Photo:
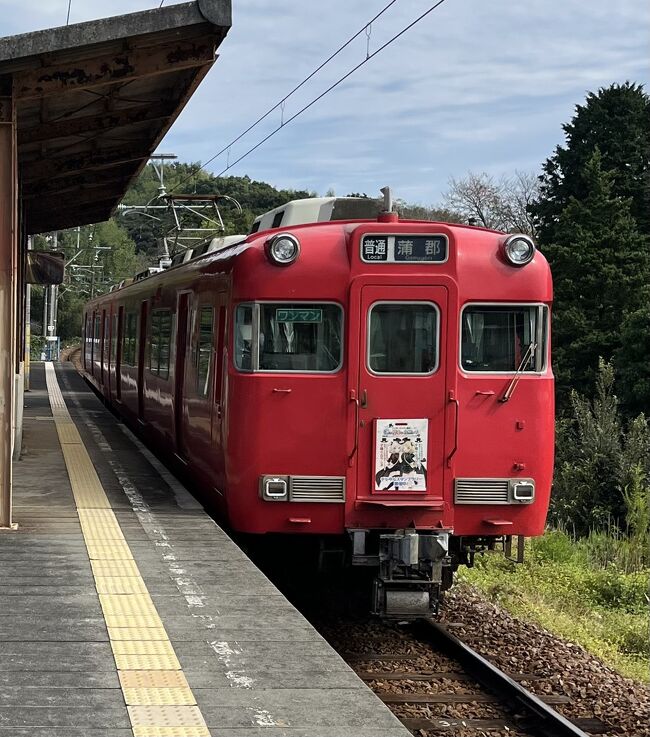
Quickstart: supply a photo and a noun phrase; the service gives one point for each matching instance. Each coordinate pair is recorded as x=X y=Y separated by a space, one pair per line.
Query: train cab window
x=403 y=338
x=284 y=336
x=204 y=350
x=129 y=345
x=244 y=337
x=160 y=342
x=503 y=338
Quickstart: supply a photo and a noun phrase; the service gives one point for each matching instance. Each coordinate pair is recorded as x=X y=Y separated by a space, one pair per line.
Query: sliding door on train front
x=402 y=396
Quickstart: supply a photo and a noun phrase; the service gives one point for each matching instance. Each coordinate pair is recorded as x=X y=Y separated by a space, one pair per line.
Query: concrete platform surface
x=83 y=656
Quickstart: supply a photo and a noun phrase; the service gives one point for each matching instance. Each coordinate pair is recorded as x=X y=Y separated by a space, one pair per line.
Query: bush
x=602 y=468
x=36 y=345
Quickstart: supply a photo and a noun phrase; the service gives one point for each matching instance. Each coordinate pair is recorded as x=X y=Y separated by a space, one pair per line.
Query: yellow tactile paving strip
x=158 y=698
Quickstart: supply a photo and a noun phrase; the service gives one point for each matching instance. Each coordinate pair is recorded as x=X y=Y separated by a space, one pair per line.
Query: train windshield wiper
x=510 y=389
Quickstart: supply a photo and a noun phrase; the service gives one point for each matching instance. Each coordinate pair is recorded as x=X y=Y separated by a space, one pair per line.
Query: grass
x=565 y=587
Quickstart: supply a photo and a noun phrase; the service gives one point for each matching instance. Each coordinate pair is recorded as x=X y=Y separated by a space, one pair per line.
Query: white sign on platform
x=400 y=455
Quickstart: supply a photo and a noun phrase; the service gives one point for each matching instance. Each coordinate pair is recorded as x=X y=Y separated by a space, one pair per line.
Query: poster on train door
x=400 y=455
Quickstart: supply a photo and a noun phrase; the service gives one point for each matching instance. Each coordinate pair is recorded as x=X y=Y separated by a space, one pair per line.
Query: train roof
x=317 y=210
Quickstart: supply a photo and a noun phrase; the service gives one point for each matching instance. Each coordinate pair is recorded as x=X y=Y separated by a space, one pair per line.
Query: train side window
x=204 y=350
x=503 y=338
x=160 y=342
x=403 y=338
x=129 y=341
x=88 y=346
x=96 y=337
x=113 y=357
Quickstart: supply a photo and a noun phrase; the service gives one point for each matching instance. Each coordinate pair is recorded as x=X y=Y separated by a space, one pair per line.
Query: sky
x=476 y=86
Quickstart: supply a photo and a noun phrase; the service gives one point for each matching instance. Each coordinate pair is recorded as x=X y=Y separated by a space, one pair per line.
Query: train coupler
x=410 y=577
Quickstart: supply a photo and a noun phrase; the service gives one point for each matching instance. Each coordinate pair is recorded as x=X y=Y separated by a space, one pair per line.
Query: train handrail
x=452 y=398
x=355 y=399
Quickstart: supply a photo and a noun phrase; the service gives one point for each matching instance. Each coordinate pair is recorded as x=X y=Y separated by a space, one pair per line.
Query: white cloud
x=475 y=86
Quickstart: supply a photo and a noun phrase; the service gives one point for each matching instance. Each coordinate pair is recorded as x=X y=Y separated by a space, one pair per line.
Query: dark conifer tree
x=617 y=121
x=601 y=264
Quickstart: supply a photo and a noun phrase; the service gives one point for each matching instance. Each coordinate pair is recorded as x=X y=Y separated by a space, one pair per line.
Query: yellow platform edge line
x=159 y=700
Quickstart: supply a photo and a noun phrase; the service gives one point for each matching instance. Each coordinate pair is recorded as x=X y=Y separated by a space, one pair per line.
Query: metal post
x=46 y=291
x=8 y=246
x=28 y=321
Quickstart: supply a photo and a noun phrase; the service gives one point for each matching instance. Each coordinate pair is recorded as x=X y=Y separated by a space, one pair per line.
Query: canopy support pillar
x=8 y=275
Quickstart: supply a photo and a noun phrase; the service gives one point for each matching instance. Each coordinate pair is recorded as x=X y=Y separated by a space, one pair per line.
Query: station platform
x=125 y=611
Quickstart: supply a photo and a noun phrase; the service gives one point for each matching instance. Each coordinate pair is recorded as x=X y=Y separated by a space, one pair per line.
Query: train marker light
x=519 y=249
x=274 y=488
x=522 y=491
x=282 y=249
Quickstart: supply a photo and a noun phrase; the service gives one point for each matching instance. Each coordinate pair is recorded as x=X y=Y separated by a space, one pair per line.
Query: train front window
x=289 y=336
x=403 y=338
x=503 y=338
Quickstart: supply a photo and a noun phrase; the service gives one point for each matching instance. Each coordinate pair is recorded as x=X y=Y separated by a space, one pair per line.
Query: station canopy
x=93 y=101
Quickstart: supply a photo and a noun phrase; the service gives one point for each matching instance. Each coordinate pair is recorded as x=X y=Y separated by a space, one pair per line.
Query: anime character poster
x=400 y=455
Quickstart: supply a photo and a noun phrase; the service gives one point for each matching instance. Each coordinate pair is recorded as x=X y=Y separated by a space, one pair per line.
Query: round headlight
x=282 y=249
x=519 y=249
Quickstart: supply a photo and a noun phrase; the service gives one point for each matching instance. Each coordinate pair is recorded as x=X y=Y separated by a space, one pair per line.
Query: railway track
x=465 y=693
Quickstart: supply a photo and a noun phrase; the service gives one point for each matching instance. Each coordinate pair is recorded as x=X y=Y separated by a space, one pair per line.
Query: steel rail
x=544 y=720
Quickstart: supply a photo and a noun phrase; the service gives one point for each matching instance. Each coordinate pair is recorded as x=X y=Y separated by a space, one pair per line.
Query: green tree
x=120 y=261
x=602 y=466
x=600 y=263
x=615 y=120
x=633 y=357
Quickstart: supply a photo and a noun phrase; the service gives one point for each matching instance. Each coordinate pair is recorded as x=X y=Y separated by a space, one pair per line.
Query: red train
x=385 y=381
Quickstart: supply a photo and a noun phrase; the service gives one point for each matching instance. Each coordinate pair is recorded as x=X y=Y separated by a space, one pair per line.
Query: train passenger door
x=219 y=371
x=118 y=353
x=183 y=333
x=142 y=354
x=105 y=350
x=198 y=407
x=402 y=395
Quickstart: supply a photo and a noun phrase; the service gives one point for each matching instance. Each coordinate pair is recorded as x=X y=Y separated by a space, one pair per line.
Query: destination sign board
x=404 y=248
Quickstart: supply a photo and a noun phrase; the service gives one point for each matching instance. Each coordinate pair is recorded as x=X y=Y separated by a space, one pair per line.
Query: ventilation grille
x=317 y=489
x=481 y=491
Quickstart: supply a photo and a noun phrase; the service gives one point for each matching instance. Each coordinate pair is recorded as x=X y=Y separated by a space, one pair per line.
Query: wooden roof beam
x=105 y=159
x=105 y=121
x=77 y=182
x=62 y=218
x=117 y=67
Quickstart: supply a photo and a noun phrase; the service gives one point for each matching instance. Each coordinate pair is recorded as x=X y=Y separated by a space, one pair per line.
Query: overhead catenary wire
x=281 y=102
x=329 y=89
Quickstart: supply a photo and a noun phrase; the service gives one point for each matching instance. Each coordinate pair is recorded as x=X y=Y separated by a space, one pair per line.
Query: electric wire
x=281 y=102
x=329 y=89
x=67 y=20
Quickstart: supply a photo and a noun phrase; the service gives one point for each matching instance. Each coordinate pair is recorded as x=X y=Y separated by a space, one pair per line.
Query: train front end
x=391 y=383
